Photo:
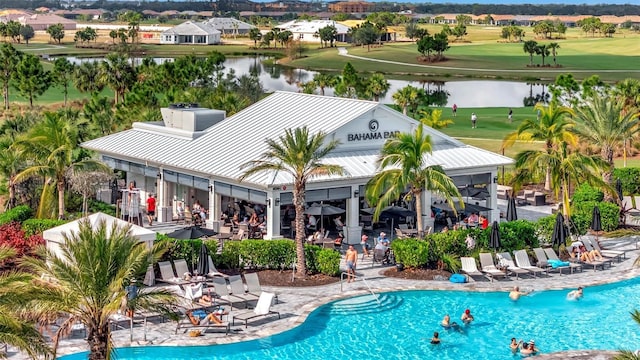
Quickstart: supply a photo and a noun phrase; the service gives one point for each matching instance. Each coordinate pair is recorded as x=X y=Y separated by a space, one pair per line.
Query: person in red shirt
x=151 y=208
x=483 y=221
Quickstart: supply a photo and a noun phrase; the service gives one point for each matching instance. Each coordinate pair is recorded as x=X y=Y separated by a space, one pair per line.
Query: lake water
x=466 y=94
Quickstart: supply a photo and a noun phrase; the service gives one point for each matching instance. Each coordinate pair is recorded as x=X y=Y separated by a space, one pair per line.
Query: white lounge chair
x=522 y=260
x=263 y=308
x=469 y=267
x=551 y=255
x=505 y=259
x=489 y=268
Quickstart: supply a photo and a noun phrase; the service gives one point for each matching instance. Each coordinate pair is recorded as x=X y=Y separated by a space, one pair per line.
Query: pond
x=465 y=94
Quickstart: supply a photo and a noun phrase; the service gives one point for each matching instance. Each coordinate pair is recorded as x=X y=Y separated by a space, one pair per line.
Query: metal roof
x=220 y=23
x=240 y=138
x=192 y=28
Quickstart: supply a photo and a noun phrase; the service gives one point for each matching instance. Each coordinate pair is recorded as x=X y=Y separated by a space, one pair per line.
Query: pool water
x=401 y=327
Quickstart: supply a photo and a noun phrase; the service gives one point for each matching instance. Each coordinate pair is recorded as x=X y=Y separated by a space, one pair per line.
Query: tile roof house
x=193 y=33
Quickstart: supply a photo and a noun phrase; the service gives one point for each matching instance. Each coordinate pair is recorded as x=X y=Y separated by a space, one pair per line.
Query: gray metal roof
x=191 y=28
x=225 y=146
x=220 y=23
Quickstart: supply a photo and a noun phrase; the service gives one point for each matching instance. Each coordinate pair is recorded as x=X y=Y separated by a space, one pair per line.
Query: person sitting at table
x=198 y=209
x=253 y=220
x=483 y=222
x=180 y=211
x=235 y=221
x=339 y=223
x=472 y=220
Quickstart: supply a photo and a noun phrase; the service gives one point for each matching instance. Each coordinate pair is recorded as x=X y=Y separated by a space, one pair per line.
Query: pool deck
x=294 y=304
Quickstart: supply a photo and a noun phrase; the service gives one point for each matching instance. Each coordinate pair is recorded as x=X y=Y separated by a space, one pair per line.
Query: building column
x=427 y=220
x=273 y=215
x=492 y=200
x=353 y=230
x=161 y=206
x=213 y=217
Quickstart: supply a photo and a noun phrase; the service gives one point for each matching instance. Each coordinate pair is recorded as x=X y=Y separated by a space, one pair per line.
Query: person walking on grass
x=454 y=108
x=510 y=115
x=474 y=119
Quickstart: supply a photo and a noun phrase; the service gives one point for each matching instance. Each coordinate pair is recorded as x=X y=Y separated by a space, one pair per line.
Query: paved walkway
x=295 y=304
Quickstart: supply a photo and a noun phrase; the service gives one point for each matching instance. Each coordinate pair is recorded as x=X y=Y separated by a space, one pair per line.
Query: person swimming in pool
x=515 y=294
x=436 y=338
x=466 y=317
x=575 y=294
x=446 y=322
x=515 y=345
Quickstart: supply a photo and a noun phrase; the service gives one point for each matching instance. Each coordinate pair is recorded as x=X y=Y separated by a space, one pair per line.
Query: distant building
x=350 y=7
x=307 y=30
x=230 y=26
x=39 y=21
x=193 y=33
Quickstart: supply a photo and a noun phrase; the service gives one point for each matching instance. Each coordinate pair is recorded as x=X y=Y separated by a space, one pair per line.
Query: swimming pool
x=357 y=328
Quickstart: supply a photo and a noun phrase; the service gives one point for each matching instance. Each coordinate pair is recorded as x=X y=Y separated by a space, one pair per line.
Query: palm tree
x=323 y=81
x=554 y=127
x=627 y=354
x=15 y=292
x=86 y=78
x=406 y=97
x=554 y=51
x=9 y=59
x=118 y=74
x=51 y=146
x=88 y=277
x=604 y=123
x=433 y=118
x=298 y=154
x=564 y=166
x=530 y=47
x=377 y=86
x=402 y=164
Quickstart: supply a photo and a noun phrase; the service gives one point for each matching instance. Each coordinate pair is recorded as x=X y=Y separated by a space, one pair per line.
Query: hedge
x=37 y=226
x=17 y=214
x=583 y=214
x=255 y=254
x=630 y=179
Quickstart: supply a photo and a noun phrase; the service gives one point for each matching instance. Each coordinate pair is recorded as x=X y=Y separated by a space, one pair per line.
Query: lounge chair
x=222 y=292
x=469 y=267
x=181 y=267
x=253 y=284
x=605 y=260
x=522 y=260
x=168 y=275
x=190 y=321
x=505 y=259
x=614 y=254
x=237 y=289
x=489 y=268
x=545 y=263
x=213 y=272
x=551 y=255
x=263 y=308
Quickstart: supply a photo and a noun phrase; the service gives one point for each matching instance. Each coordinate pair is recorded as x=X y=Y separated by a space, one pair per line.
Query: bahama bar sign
x=374 y=134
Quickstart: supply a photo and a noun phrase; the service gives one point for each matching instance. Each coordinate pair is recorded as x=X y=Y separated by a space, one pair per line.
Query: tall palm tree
x=51 y=146
x=118 y=74
x=554 y=46
x=403 y=165
x=88 y=277
x=86 y=78
x=604 y=123
x=530 y=47
x=564 y=166
x=9 y=60
x=377 y=86
x=15 y=292
x=406 y=97
x=299 y=154
x=554 y=127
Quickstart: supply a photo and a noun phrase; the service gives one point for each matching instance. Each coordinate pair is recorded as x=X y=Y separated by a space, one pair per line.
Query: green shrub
x=99 y=206
x=516 y=235
x=328 y=261
x=260 y=254
x=17 y=214
x=450 y=242
x=630 y=179
x=586 y=192
x=37 y=226
x=583 y=213
x=411 y=252
x=544 y=228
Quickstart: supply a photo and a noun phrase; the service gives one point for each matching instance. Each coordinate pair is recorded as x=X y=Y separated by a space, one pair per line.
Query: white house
x=194 y=33
x=196 y=154
x=307 y=30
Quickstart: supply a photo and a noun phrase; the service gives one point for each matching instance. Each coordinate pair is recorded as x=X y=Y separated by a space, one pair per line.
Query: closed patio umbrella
x=512 y=213
x=494 y=239
x=560 y=231
x=596 y=221
x=619 y=188
x=203 y=260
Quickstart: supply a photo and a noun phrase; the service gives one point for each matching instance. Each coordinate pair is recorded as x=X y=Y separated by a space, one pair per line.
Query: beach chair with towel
x=263 y=308
x=552 y=256
x=549 y=264
x=505 y=260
